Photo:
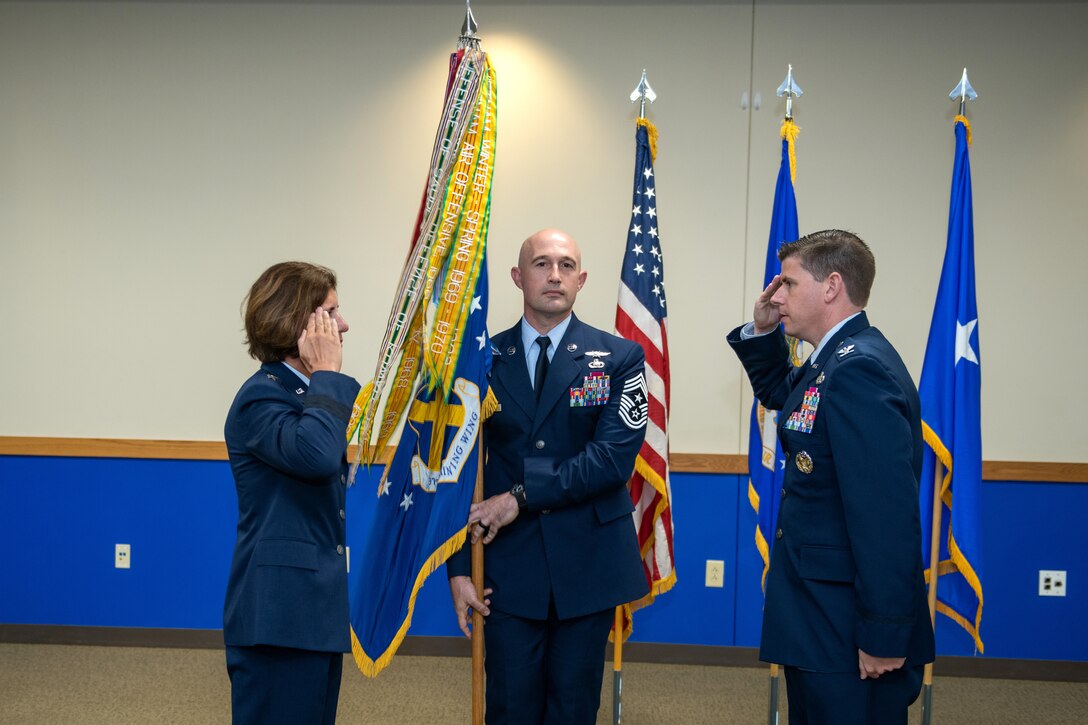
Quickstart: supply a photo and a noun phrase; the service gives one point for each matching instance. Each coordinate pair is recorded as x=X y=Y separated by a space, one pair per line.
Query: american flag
x=641 y=317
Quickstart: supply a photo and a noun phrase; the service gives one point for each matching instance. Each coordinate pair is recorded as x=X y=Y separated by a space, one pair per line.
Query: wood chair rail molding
x=728 y=463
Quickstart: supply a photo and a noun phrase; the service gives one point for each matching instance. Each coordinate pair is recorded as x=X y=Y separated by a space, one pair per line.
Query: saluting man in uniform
x=560 y=546
x=846 y=610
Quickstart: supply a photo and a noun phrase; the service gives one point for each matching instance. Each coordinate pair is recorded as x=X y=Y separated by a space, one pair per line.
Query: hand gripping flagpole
x=642 y=93
x=790 y=90
x=963 y=92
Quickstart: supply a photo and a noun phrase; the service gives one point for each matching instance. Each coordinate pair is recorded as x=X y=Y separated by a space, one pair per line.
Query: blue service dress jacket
x=287 y=445
x=846 y=564
x=575 y=544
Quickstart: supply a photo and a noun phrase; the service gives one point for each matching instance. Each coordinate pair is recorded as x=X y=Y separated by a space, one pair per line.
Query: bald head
x=549 y=275
x=546 y=237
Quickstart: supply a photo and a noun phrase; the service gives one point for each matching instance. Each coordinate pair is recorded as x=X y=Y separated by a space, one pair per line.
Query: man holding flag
x=560 y=547
x=846 y=609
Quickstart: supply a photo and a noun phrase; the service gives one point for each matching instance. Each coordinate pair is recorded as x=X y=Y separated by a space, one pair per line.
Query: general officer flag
x=766 y=463
x=950 y=390
x=642 y=317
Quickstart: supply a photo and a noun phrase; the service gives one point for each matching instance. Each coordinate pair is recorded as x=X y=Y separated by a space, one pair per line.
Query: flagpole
x=934 y=561
x=963 y=92
x=470 y=40
x=478 y=583
x=617 y=667
x=642 y=93
x=790 y=90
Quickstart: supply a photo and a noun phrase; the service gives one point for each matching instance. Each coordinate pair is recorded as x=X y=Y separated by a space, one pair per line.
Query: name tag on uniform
x=594 y=391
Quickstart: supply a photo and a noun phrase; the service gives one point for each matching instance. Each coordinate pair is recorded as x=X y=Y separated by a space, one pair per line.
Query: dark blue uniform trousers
x=544 y=672
x=272 y=685
x=843 y=698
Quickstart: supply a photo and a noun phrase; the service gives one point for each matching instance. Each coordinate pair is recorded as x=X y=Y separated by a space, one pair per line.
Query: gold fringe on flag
x=956 y=561
x=966 y=126
x=789 y=131
x=651 y=136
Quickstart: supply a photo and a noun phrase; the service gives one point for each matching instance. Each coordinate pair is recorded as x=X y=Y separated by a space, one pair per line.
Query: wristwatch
x=518 y=492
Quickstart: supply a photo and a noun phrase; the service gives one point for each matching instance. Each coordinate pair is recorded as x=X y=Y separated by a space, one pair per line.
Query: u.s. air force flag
x=423 y=499
x=950 y=391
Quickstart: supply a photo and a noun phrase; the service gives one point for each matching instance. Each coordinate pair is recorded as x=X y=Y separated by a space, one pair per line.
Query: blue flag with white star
x=766 y=464
x=423 y=500
x=950 y=390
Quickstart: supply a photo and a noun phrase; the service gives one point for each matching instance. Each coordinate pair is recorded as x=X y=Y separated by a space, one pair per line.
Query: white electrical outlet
x=715 y=573
x=1051 y=583
x=122 y=556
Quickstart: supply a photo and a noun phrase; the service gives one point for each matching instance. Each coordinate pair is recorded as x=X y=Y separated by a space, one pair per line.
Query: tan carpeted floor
x=77 y=685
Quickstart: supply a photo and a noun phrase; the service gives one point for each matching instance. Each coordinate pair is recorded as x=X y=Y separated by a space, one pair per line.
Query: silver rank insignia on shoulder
x=820 y=378
x=571 y=347
x=844 y=351
x=804 y=462
x=597 y=363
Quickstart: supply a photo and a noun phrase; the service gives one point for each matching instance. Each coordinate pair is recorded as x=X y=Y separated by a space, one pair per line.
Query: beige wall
x=155 y=157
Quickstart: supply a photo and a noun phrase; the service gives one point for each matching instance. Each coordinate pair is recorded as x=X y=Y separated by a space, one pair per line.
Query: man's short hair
x=278 y=304
x=834 y=250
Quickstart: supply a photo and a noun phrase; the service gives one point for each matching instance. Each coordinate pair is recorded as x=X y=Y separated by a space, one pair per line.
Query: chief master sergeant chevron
x=846 y=610
x=560 y=547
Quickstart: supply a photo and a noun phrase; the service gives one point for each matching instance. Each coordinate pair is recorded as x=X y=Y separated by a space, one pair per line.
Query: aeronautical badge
x=804 y=462
x=597 y=363
x=634 y=407
x=844 y=350
x=594 y=391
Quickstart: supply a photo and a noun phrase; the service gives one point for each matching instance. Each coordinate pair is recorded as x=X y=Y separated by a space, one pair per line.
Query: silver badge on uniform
x=596 y=363
x=571 y=347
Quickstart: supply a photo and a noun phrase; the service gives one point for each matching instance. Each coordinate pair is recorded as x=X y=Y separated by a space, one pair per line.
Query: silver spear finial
x=468 y=38
x=790 y=90
x=643 y=93
x=963 y=92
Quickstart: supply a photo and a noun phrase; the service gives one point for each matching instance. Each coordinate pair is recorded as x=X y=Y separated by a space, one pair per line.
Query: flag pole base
x=772 y=705
x=927 y=704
